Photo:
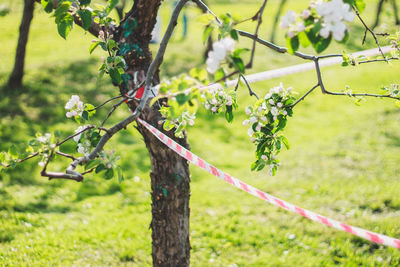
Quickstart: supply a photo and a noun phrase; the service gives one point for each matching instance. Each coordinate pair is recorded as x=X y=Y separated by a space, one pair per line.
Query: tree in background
x=171 y=105
x=15 y=80
x=379 y=12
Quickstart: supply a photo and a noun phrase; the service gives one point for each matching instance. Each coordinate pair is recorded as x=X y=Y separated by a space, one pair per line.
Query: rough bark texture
x=15 y=80
x=170 y=182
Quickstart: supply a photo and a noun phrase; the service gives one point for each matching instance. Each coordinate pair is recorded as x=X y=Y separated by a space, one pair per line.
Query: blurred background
x=344 y=160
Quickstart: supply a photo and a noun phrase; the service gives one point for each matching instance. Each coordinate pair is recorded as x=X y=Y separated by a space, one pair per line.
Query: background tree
x=15 y=80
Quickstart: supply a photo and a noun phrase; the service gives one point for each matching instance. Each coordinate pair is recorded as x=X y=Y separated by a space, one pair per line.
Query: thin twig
x=253 y=49
x=368 y=29
x=72 y=136
x=251 y=92
x=65 y=155
x=304 y=96
x=111 y=99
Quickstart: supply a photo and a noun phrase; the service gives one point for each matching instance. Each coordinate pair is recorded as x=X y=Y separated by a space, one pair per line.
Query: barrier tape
x=196 y=160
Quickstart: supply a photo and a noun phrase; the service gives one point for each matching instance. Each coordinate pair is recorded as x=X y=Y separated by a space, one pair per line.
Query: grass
x=343 y=163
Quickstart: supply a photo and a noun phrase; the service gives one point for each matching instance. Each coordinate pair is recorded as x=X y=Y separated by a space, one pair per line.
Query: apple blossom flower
x=246 y=122
x=219 y=52
x=333 y=14
x=280 y=105
x=288 y=19
x=263 y=157
x=305 y=14
x=75 y=106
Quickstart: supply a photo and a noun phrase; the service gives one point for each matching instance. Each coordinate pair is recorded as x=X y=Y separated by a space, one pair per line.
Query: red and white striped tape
x=183 y=152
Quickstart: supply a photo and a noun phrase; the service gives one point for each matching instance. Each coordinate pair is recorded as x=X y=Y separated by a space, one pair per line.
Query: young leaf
x=65 y=25
x=207 y=32
x=100 y=168
x=93 y=46
x=292 y=44
x=120 y=175
x=86 y=17
x=109 y=174
x=47 y=5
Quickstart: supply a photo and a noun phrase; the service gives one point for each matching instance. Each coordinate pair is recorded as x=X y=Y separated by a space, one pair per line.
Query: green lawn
x=343 y=163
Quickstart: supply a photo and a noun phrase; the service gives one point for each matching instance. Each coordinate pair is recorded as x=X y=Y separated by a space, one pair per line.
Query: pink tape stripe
x=371 y=236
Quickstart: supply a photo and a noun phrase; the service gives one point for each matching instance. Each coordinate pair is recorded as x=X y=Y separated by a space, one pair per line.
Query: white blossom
x=246 y=122
x=219 y=52
x=271 y=102
x=305 y=14
x=247 y=110
x=288 y=19
x=214 y=109
x=80 y=128
x=253 y=119
x=263 y=157
x=250 y=131
x=280 y=105
x=44 y=138
x=84 y=148
x=333 y=14
x=75 y=106
x=284 y=112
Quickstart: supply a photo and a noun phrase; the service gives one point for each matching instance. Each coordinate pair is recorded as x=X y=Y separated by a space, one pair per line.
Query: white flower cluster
x=80 y=128
x=75 y=107
x=219 y=52
x=219 y=98
x=334 y=13
x=109 y=158
x=44 y=139
x=289 y=22
x=269 y=105
x=84 y=148
x=187 y=118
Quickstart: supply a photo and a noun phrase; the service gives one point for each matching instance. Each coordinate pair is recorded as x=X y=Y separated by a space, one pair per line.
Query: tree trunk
x=170 y=184
x=15 y=80
x=170 y=180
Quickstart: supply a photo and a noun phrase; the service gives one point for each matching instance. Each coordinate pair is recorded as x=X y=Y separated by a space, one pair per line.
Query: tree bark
x=170 y=179
x=170 y=184
x=15 y=80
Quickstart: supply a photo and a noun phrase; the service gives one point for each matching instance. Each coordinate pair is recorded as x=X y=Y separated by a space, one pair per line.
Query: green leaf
x=219 y=74
x=205 y=19
x=93 y=46
x=206 y=34
x=322 y=44
x=360 y=4
x=84 y=2
x=91 y=164
x=239 y=64
x=111 y=5
x=86 y=17
x=234 y=34
x=285 y=142
x=13 y=151
x=229 y=114
x=292 y=44
x=47 y=5
x=62 y=9
x=100 y=168
x=120 y=175
x=109 y=174
x=65 y=25
x=85 y=115
x=115 y=76
x=303 y=38
x=182 y=99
